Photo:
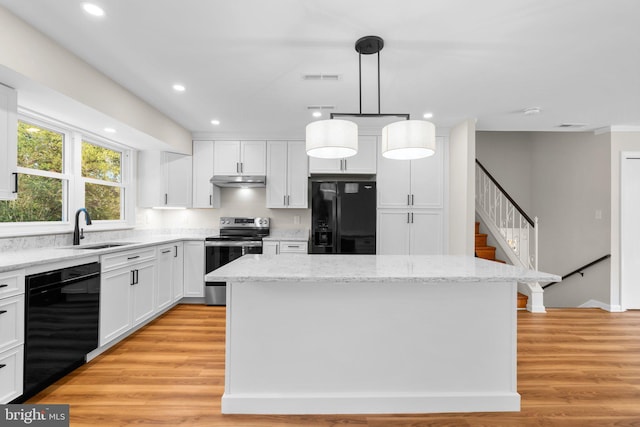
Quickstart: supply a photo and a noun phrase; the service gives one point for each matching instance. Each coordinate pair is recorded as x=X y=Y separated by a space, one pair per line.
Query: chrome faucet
x=77 y=232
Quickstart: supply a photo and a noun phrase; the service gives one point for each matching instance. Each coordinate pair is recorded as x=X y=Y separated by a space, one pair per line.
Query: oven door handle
x=233 y=244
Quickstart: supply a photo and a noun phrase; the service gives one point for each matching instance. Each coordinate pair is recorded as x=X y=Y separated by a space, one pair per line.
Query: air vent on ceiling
x=320 y=107
x=572 y=125
x=321 y=77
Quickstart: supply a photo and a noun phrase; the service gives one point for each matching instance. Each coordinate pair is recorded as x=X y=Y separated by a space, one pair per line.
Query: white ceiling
x=242 y=61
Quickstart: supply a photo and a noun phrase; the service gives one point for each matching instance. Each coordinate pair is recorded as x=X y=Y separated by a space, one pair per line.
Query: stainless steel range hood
x=246 y=181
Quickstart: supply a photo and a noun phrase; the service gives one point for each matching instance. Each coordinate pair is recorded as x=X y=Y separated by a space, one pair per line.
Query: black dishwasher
x=61 y=323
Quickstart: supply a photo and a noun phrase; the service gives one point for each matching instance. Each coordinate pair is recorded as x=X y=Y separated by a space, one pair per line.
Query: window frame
x=73 y=192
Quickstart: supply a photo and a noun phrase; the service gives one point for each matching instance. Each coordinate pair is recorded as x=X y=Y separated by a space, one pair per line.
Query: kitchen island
x=311 y=334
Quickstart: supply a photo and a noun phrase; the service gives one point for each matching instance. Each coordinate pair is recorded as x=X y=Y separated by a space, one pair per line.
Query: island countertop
x=372 y=268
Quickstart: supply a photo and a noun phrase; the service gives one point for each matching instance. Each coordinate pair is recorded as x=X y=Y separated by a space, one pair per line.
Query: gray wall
x=563 y=178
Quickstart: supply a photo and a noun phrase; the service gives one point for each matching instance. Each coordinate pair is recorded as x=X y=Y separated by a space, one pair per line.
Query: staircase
x=487 y=252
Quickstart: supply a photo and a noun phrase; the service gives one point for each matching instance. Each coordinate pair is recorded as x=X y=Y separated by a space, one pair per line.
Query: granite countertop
x=372 y=268
x=301 y=235
x=19 y=259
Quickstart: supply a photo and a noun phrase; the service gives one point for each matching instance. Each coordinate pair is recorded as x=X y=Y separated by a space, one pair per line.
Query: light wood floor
x=578 y=367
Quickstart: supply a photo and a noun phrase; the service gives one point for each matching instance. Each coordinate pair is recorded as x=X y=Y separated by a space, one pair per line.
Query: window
x=41 y=182
x=61 y=169
x=102 y=176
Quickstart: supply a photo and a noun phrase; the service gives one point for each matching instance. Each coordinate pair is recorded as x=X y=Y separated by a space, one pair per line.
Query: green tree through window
x=102 y=170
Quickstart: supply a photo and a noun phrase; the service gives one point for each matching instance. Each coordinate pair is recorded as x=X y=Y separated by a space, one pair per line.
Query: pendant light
x=405 y=139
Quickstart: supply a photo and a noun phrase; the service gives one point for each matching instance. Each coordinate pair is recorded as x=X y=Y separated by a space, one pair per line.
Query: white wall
x=462 y=153
x=507 y=157
x=31 y=54
x=235 y=202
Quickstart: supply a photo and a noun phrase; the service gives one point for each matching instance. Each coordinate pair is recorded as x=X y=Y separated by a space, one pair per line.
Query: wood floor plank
x=576 y=367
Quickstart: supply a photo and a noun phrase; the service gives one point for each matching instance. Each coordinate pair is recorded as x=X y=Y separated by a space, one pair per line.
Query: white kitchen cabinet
x=177 y=283
x=239 y=158
x=12 y=300
x=205 y=194
x=127 y=291
x=410 y=232
x=194 y=269
x=412 y=183
x=164 y=179
x=287 y=172
x=11 y=373
x=364 y=162
x=165 y=276
x=8 y=143
x=276 y=247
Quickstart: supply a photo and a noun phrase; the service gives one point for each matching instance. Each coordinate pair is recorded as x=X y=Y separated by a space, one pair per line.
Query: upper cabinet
x=8 y=143
x=364 y=162
x=240 y=158
x=412 y=183
x=205 y=194
x=164 y=179
x=287 y=175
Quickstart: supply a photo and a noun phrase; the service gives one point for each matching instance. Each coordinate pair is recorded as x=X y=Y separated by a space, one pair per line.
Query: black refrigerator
x=343 y=217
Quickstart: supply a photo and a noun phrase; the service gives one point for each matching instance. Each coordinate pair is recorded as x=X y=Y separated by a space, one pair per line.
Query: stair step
x=486 y=252
x=481 y=239
x=522 y=300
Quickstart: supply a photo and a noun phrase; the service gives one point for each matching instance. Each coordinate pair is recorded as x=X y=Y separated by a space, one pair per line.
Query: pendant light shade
x=408 y=139
x=332 y=139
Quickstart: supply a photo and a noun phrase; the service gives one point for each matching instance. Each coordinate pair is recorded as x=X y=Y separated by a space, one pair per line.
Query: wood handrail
x=579 y=270
x=513 y=202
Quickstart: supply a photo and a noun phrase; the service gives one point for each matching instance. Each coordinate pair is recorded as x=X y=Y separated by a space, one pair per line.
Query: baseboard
x=592 y=303
x=369 y=403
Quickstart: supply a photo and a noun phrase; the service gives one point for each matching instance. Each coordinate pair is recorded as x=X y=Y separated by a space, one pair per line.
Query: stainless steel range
x=238 y=236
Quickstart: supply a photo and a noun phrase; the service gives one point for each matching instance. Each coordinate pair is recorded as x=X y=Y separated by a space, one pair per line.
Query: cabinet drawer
x=11 y=322
x=11 y=366
x=123 y=259
x=11 y=283
x=293 y=247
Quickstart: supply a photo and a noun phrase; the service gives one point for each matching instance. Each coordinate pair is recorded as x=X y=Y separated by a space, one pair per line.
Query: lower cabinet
x=12 y=302
x=285 y=246
x=410 y=232
x=170 y=274
x=194 y=269
x=177 y=262
x=127 y=294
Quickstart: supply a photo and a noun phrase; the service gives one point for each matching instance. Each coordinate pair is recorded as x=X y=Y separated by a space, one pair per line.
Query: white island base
x=332 y=345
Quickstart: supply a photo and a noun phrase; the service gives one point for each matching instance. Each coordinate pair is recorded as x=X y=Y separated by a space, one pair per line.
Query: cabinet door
x=365 y=160
x=317 y=165
x=115 y=303
x=194 y=269
x=270 y=248
x=164 y=292
x=297 y=179
x=393 y=232
x=205 y=194
x=178 y=271
x=143 y=298
x=393 y=183
x=427 y=179
x=426 y=233
x=276 y=191
x=178 y=180
x=8 y=143
x=11 y=322
x=151 y=179
x=226 y=158
x=11 y=375
x=253 y=158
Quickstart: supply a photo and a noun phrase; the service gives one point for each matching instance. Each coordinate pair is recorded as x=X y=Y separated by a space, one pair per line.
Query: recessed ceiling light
x=531 y=111
x=427 y=115
x=179 y=88
x=316 y=114
x=93 y=9
x=110 y=130
x=215 y=122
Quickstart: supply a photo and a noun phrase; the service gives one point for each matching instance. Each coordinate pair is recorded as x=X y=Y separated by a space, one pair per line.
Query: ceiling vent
x=572 y=125
x=320 y=107
x=321 y=77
